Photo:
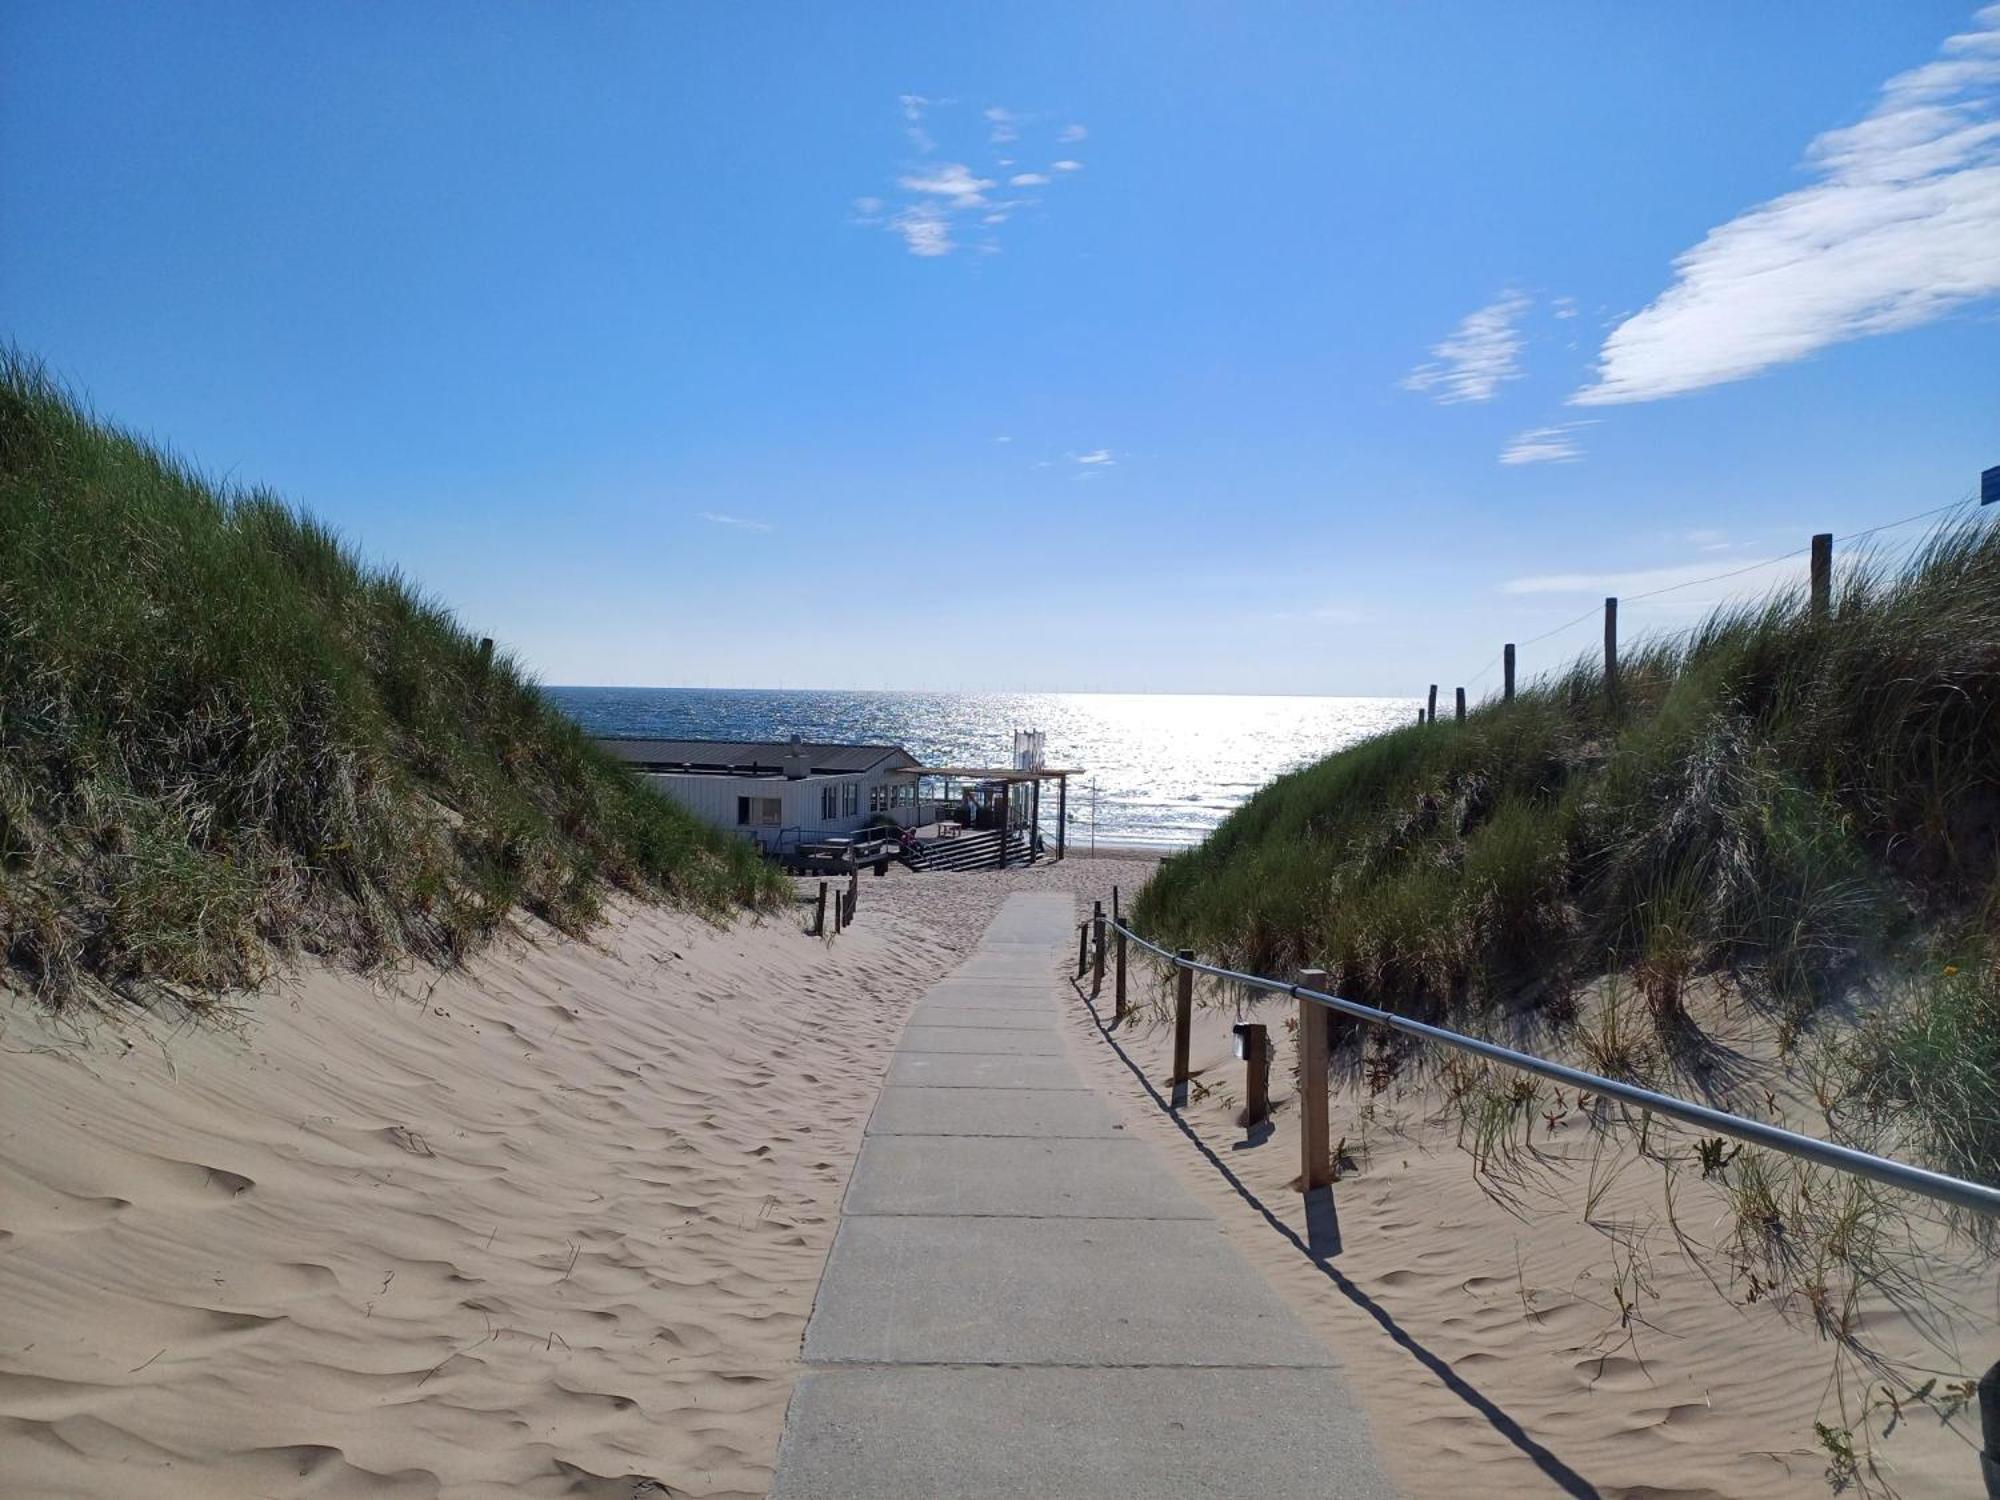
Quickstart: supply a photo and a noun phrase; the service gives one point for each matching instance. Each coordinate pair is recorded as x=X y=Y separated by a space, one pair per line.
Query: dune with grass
x=1764 y=874
x=224 y=740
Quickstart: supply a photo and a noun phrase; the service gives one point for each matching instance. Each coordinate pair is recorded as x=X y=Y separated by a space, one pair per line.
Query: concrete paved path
x=1021 y=1301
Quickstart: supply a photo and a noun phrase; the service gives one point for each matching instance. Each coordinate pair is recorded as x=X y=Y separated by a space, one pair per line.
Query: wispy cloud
x=716 y=518
x=1545 y=445
x=1095 y=456
x=941 y=207
x=925 y=229
x=1071 y=133
x=1901 y=227
x=914 y=106
x=1481 y=352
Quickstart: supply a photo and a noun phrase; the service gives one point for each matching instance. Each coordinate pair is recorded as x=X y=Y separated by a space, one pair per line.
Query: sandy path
x=550 y=1226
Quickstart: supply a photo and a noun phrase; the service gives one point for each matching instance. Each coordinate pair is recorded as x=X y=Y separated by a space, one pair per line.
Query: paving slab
x=998 y=1041
x=1033 y=1001
x=976 y=1070
x=1021 y=1300
x=1116 y=1178
x=1008 y=1112
x=909 y=1290
x=984 y=1434
x=1013 y=1018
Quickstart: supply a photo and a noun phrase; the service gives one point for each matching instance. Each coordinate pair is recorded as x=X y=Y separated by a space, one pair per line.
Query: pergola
x=1008 y=778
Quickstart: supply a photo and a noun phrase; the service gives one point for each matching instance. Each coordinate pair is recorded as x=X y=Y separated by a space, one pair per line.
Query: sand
x=548 y=1226
x=1481 y=1316
x=552 y=1226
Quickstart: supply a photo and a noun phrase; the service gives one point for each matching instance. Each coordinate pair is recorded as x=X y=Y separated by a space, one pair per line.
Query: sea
x=1157 y=769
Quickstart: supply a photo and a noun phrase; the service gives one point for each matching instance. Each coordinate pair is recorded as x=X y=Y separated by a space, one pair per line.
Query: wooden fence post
x=1461 y=705
x=1989 y=1423
x=853 y=894
x=1097 y=947
x=1507 y=673
x=1822 y=576
x=1183 y=1026
x=1256 y=1073
x=839 y=903
x=819 y=916
x=1118 y=1012
x=1611 y=650
x=1118 y=938
x=1431 y=713
x=1315 y=1124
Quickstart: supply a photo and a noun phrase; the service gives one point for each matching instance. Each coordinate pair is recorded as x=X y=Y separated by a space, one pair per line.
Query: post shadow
x=1322 y=1225
x=1321 y=1246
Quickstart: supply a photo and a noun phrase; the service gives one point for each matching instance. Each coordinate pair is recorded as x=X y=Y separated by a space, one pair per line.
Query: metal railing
x=1953 y=1190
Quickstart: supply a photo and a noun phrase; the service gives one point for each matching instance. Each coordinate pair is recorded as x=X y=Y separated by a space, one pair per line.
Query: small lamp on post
x=1253 y=1047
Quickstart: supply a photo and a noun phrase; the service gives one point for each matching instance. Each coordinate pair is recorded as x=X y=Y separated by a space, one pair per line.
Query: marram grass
x=223 y=740
x=1808 y=807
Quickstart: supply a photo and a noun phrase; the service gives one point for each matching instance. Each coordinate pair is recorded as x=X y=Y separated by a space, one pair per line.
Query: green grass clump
x=224 y=739
x=1786 y=800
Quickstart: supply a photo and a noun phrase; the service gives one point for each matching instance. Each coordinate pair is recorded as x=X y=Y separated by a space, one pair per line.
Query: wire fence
x=1969 y=498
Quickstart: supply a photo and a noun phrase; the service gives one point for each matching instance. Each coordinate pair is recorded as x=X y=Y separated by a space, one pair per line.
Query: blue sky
x=1207 y=347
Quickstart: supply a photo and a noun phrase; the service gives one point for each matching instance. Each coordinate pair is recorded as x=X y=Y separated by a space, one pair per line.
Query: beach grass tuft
x=224 y=739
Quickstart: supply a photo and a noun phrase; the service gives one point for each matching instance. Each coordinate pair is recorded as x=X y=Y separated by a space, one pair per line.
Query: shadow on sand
x=1321 y=1245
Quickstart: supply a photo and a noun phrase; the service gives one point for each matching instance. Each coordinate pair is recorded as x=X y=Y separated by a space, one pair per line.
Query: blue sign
x=1989 y=486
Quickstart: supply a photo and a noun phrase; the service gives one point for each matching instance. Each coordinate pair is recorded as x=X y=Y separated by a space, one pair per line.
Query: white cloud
x=1071 y=133
x=953 y=180
x=1901 y=227
x=1563 y=307
x=721 y=520
x=1005 y=125
x=1481 y=353
x=1003 y=438
x=1028 y=179
x=1095 y=456
x=1065 y=166
x=1544 y=445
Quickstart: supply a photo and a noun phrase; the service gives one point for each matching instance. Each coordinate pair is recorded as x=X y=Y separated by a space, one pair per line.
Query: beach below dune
x=550 y=1224
x=553 y=1224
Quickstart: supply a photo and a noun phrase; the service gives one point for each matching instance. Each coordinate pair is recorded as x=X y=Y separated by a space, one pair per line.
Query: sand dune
x=549 y=1226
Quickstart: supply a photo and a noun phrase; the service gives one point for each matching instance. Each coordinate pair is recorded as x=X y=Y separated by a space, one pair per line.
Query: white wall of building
x=802 y=802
